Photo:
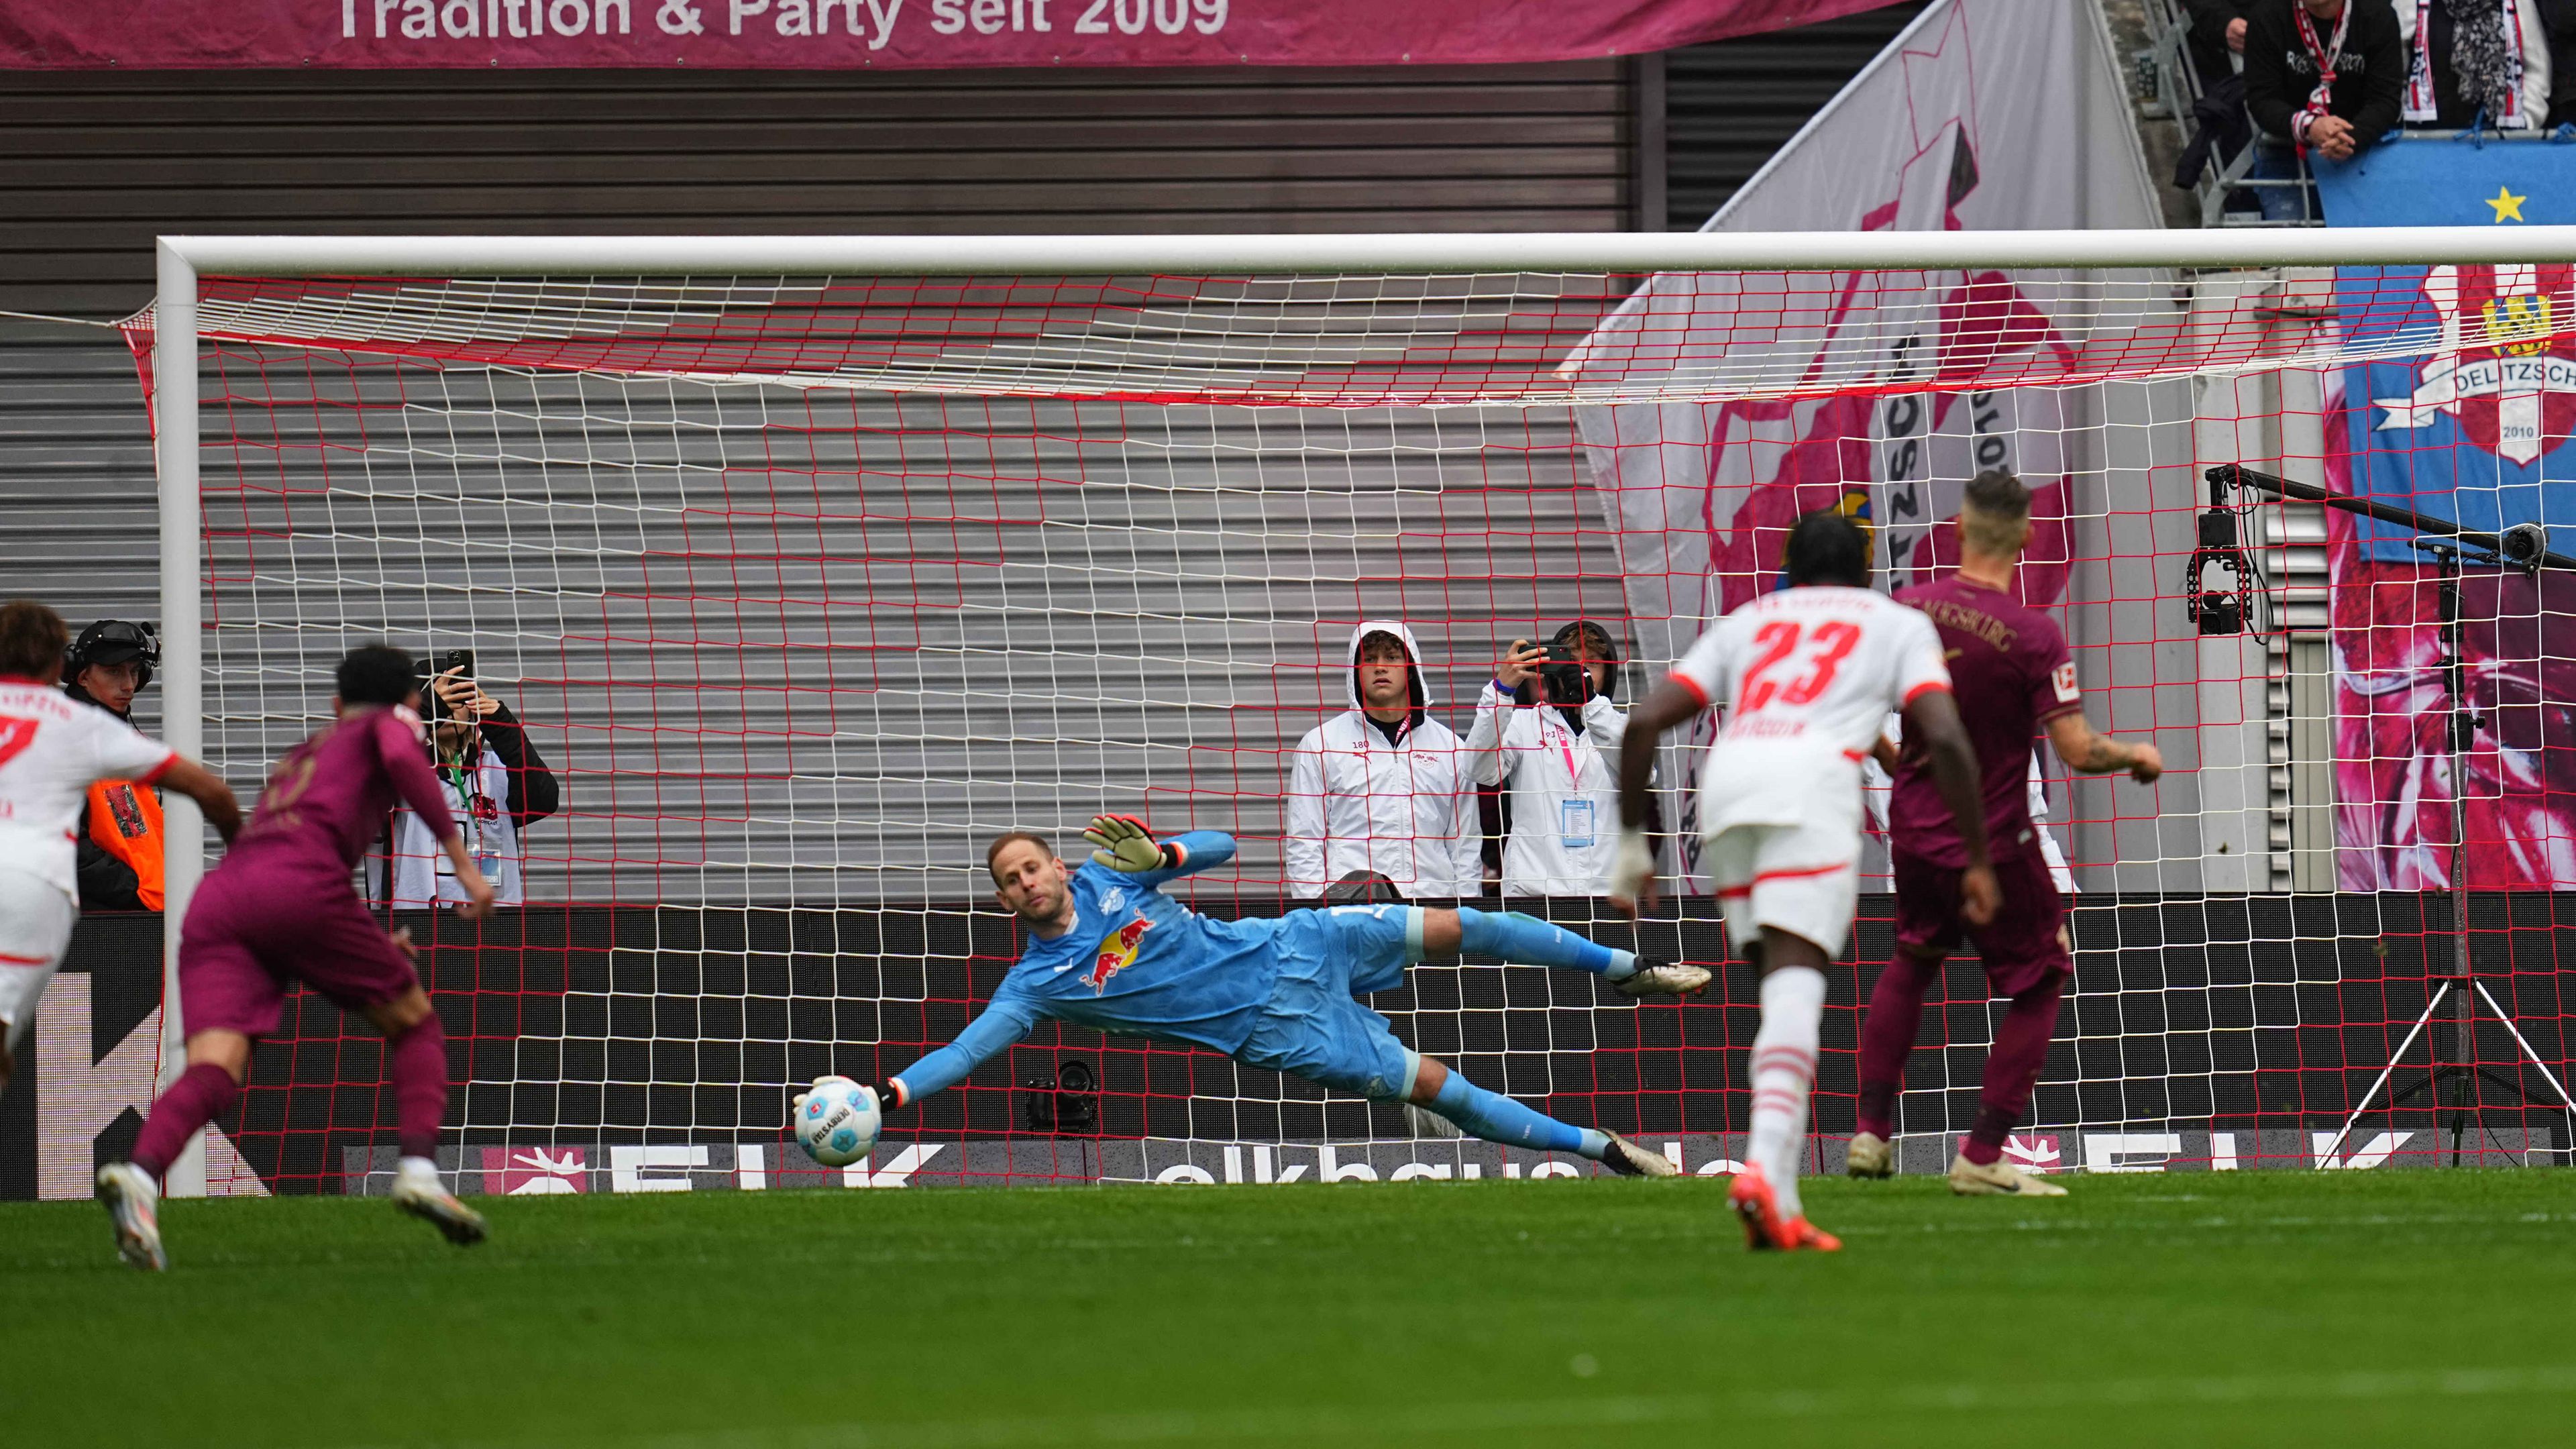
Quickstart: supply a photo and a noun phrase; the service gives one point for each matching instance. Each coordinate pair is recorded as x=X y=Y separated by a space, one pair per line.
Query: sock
x=1498 y=1118
x=1784 y=1070
x=1887 y=1038
x=1527 y=939
x=421 y=1168
x=202 y=1093
x=2013 y=1067
x=420 y=1086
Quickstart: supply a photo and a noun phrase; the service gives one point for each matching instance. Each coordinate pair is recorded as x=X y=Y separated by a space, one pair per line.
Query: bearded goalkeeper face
x=1031 y=882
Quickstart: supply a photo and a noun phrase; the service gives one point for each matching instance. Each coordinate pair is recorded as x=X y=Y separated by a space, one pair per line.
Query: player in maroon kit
x=282 y=908
x=2012 y=678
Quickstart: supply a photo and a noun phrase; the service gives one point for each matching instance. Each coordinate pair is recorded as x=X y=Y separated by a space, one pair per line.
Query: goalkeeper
x=1107 y=949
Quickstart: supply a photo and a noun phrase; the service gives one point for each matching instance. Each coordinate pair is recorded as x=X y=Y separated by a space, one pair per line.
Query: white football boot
x=1663 y=978
x=1871 y=1156
x=1998 y=1179
x=126 y=1191
x=422 y=1195
x=1628 y=1159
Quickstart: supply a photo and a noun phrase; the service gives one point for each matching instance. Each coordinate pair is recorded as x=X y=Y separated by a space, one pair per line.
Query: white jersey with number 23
x=1805 y=677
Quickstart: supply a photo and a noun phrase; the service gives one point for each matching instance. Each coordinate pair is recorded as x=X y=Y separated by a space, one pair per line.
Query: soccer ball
x=837 y=1121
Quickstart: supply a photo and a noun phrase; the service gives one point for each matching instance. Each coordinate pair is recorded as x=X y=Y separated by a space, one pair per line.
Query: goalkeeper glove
x=1125 y=844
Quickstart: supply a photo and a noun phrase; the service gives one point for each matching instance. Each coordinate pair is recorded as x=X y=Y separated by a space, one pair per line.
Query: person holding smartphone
x=496 y=786
x=1546 y=728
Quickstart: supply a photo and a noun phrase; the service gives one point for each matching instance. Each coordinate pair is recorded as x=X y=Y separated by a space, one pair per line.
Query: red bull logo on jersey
x=1117 y=953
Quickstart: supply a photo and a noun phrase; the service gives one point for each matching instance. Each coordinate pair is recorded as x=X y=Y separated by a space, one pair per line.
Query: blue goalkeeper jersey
x=1136 y=962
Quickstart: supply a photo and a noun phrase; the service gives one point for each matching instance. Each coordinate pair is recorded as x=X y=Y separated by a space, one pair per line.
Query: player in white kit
x=1805 y=677
x=51 y=748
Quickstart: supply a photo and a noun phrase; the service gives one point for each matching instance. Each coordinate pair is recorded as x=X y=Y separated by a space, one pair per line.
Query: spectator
x=496 y=787
x=1553 y=735
x=2216 y=38
x=1382 y=789
x=2329 y=75
x=2496 y=58
x=119 y=845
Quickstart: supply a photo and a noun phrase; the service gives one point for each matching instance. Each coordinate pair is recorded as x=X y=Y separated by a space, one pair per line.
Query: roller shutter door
x=93 y=166
x=1730 y=104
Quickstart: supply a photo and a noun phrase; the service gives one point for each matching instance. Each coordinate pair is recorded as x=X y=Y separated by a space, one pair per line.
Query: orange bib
x=125 y=820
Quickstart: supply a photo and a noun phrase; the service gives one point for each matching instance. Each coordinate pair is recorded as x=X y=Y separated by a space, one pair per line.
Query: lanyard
x=1547 y=728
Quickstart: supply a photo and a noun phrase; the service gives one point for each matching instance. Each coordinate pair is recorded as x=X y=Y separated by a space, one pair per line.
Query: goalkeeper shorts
x=1312 y=1026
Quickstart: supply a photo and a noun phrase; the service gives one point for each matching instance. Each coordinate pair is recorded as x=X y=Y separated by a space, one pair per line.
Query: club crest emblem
x=1117 y=953
x=2503 y=367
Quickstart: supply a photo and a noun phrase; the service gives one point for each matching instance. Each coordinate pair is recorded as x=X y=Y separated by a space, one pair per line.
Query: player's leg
x=1313 y=1027
x=2027 y=963
x=1497 y=1118
x=1783 y=1077
x=351 y=960
x=1798 y=885
x=1517 y=937
x=35 y=929
x=230 y=1001
x=416 y=1044
x=218 y=1062
x=1927 y=909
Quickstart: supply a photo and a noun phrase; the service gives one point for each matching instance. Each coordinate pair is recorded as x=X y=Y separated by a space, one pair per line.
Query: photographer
x=1546 y=726
x=119 y=838
x=496 y=787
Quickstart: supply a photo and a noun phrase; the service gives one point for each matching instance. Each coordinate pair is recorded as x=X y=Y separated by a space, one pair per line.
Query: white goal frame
x=182 y=260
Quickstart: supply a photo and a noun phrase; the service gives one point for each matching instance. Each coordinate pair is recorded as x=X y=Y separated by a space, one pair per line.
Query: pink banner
x=890 y=34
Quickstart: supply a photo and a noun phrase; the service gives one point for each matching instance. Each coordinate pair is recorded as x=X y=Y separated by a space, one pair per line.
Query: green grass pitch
x=2341 y=1309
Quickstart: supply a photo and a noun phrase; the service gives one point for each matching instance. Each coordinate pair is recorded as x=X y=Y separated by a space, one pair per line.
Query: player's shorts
x=240 y=949
x=2021 y=947
x=35 y=929
x=1312 y=1027
x=1803 y=879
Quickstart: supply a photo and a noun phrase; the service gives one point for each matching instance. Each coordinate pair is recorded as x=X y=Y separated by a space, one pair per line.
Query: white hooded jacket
x=1406 y=811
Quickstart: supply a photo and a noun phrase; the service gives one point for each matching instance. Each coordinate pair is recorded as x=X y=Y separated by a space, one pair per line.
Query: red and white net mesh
x=803 y=589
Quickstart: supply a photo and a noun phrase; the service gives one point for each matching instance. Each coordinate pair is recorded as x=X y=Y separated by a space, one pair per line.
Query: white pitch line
x=1487 y=1416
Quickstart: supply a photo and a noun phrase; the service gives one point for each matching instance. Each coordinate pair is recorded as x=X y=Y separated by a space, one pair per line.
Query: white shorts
x=1803 y=879
x=35 y=927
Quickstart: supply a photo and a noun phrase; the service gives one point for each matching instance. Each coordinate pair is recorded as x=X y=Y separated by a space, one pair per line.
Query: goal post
x=810 y=562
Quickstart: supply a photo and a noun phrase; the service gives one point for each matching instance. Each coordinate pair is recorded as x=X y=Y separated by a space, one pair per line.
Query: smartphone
x=460 y=660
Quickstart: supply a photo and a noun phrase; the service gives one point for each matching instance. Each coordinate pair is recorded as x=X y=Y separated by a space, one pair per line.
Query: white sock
x=421 y=1170
x=1784 y=1069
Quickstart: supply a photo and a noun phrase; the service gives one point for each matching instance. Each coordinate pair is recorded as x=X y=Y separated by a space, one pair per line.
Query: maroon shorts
x=246 y=938
x=2020 y=946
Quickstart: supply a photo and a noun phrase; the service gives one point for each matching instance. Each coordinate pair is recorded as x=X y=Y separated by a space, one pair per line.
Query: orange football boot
x=1752 y=1198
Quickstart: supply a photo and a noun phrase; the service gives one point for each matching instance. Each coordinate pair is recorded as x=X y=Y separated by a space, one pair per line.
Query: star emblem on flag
x=2508 y=207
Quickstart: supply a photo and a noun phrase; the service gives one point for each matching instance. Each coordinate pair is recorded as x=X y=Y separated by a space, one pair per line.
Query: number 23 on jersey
x=1776 y=677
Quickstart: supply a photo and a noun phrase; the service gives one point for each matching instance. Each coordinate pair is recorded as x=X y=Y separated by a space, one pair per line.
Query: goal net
x=800 y=586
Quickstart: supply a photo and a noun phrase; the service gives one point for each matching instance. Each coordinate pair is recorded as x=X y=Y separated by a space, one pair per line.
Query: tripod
x=2523 y=547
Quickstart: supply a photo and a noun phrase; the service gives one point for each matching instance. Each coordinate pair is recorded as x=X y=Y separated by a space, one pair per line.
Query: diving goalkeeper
x=1107 y=949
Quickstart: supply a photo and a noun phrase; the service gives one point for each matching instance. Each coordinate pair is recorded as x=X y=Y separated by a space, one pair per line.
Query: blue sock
x=1498 y=1118
x=1533 y=942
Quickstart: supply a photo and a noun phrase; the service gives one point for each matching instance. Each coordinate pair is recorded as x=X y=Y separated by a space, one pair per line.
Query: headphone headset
x=109 y=634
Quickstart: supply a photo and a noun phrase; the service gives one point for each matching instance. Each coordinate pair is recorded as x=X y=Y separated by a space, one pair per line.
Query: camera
x=1568 y=681
x=2524 y=545
x=1069 y=1106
